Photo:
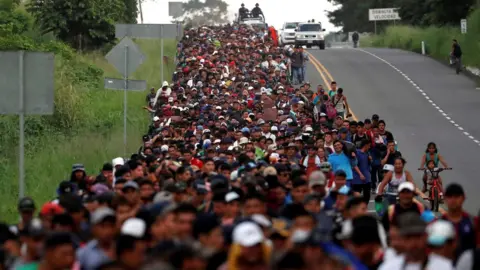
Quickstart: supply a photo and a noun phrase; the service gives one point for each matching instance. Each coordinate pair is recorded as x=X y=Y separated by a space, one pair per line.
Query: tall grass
x=438 y=40
x=87 y=126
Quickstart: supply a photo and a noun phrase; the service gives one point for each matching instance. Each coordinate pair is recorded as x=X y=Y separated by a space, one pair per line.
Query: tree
x=130 y=12
x=353 y=15
x=84 y=24
x=12 y=19
x=208 y=12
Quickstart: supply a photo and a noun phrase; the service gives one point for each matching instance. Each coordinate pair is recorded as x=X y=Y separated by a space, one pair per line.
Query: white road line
x=416 y=86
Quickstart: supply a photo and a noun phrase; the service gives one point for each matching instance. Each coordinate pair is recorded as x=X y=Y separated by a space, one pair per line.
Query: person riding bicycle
x=393 y=179
x=430 y=174
x=431 y=154
x=242 y=12
x=256 y=11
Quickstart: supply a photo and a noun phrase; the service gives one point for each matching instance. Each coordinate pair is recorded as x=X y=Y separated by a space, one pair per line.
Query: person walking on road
x=456 y=56
x=355 y=38
x=297 y=65
x=306 y=59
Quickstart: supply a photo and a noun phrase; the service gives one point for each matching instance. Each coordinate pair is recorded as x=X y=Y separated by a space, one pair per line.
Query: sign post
x=27 y=80
x=149 y=31
x=126 y=57
x=383 y=14
x=463 y=26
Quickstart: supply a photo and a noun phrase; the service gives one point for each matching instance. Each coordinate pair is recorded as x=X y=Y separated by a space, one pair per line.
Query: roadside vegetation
x=438 y=40
x=87 y=124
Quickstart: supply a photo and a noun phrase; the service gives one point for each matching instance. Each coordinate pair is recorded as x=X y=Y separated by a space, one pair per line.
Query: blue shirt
x=364 y=166
x=91 y=256
x=341 y=162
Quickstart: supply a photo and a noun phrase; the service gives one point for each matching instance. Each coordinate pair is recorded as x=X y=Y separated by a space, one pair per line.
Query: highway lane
x=372 y=86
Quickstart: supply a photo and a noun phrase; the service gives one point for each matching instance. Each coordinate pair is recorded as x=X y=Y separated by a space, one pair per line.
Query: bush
x=438 y=40
x=87 y=124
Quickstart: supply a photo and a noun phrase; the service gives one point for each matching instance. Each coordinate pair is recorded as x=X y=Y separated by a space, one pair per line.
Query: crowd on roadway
x=245 y=168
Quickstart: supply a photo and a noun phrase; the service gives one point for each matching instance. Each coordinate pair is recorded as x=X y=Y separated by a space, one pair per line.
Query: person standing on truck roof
x=256 y=11
x=242 y=12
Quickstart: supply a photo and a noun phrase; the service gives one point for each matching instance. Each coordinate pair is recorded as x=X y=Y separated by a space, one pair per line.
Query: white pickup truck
x=310 y=34
x=287 y=33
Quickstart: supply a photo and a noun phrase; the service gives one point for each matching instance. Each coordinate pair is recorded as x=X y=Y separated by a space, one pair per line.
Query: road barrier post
x=423 y=47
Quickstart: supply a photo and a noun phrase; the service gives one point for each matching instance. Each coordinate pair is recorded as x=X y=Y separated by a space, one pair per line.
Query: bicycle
x=434 y=189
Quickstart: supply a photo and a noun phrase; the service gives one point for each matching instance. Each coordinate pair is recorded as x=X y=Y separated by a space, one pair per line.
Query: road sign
x=463 y=26
x=125 y=57
x=150 y=31
x=116 y=57
x=147 y=31
x=175 y=9
x=27 y=87
x=37 y=82
x=119 y=84
x=383 y=14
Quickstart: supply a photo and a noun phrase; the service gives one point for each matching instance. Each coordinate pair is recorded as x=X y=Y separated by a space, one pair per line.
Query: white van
x=287 y=33
x=310 y=34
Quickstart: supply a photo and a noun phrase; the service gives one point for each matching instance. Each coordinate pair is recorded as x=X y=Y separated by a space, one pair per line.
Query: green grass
x=438 y=40
x=87 y=126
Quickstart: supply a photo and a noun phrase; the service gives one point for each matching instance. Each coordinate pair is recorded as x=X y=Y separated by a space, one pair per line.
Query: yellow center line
x=324 y=71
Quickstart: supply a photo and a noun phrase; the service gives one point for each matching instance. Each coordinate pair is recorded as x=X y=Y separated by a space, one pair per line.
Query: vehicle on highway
x=256 y=22
x=310 y=34
x=287 y=34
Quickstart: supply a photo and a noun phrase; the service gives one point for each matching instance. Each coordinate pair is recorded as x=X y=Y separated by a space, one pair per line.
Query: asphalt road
x=373 y=86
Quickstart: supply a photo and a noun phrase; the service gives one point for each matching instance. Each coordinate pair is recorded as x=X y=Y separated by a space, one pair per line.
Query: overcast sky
x=276 y=11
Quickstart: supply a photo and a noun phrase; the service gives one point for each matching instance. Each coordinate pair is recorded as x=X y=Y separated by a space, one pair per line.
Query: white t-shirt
x=435 y=262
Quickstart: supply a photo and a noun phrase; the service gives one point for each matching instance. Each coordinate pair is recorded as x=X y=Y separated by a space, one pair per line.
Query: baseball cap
x=130 y=184
x=316 y=178
x=247 y=234
x=66 y=187
x=411 y=223
x=35 y=228
x=231 y=196
x=439 y=232
x=26 y=204
x=163 y=196
x=406 y=186
x=101 y=214
x=200 y=187
x=134 y=227
x=51 y=208
x=78 y=167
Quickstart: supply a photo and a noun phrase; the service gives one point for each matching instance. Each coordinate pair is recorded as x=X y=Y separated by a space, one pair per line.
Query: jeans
x=297 y=73
x=304 y=74
x=363 y=189
x=376 y=175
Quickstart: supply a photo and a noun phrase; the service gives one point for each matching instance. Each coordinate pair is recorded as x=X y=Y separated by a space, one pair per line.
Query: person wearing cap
x=101 y=249
x=442 y=245
x=32 y=237
x=311 y=161
x=464 y=223
x=79 y=176
x=131 y=244
x=412 y=230
x=26 y=208
x=106 y=174
x=232 y=208
x=361 y=173
x=406 y=203
x=249 y=248
x=131 y=191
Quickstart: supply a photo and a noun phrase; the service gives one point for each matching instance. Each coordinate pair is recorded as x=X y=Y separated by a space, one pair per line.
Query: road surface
x=421 y=100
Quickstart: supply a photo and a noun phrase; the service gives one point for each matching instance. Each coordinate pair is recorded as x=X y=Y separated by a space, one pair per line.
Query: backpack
x=330 y=110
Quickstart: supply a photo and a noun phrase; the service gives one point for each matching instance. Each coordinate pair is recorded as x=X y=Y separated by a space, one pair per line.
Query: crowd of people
x=244 y=168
